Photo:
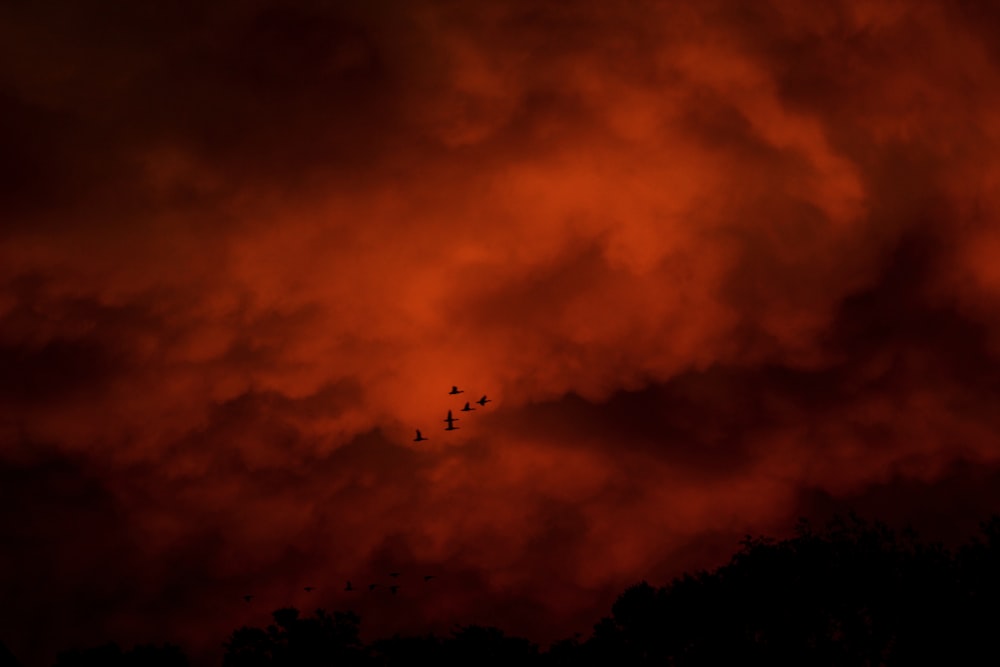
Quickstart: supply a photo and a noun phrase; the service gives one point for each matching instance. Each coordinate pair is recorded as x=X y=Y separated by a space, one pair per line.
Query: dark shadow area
x=111 y=655
x=853 y=592
x=7 y=658
x=292 y=640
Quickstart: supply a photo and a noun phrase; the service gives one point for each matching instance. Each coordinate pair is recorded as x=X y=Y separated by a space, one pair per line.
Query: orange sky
x=718 y=265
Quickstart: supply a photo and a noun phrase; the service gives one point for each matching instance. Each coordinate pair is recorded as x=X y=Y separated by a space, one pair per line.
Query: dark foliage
x=110 y=655
x=7 y=658
x=489 y=647
x=854 y=593
x=300 y=642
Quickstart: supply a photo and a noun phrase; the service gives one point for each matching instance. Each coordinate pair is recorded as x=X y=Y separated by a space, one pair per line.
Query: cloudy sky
x=717 y=265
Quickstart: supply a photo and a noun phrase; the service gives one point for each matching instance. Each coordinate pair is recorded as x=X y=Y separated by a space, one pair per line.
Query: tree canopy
x=851 y=593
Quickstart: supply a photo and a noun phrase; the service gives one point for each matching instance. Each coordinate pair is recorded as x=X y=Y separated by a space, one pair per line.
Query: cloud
x=713 y=265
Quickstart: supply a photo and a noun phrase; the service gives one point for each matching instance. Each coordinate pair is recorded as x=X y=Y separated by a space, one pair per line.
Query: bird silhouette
x=248 y=597
x=456 y=390
x=451 y=422
x=348 y=587
x=394 y=574
x=428 y=577
x=309 y=589
x=467 y=408
x=372 y=587
x=393 y=588
x=419 y=437
x=483 y=401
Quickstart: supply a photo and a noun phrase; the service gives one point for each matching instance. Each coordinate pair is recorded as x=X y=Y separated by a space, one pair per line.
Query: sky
x=717 y=265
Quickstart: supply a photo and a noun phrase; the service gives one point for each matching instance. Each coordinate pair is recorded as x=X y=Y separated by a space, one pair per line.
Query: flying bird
x=419 y=437
x=309 y=589
x=372 y=587
x=348 y=587
x=451 y=422
x=394 y=574
x=428 y=577
x=456 y=390
x=248 y=597
x=484 y=400
x=393 y=589
x=467 y=408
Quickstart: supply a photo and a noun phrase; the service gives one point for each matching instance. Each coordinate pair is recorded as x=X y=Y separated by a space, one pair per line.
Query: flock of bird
x=349 y=587
x=394 y=587
x=451 y=420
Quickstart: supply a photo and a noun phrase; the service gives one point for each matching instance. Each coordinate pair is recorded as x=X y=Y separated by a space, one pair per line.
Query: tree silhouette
x=111 y=655
x=854 y=594
x=7 y=658
x=489 y=647
x=400 y=650
x=292 y=641
x=851 y=593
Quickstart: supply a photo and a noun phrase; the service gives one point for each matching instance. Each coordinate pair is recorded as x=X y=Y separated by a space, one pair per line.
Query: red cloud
x=713 y=265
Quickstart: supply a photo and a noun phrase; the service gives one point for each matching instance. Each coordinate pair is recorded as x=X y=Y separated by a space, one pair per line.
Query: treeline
x=852 y=593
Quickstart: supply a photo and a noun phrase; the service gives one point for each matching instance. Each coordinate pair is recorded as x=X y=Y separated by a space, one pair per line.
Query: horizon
x=858 y=588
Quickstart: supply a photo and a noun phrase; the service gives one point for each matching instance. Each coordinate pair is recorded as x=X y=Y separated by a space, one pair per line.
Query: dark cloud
x=947 y=508
x=71 y=555
x=716 y=266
